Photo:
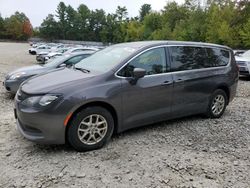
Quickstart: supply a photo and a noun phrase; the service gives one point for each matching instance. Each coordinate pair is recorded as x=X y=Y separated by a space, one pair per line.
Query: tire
x=217 y=104
x=96 y=136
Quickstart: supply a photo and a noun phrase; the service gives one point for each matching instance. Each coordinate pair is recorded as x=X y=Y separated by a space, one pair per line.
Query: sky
x=37 y=10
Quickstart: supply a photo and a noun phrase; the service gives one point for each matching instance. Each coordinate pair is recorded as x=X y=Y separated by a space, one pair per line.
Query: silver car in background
x=14 y=79
x=243 y=62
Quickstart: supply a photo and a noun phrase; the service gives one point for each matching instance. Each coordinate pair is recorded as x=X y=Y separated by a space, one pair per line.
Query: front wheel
x=90 y=129
x=217 y=104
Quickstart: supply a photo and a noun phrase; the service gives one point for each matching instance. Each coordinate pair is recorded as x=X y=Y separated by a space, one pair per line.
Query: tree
x=18 y=27
x=27 y=29
x=121 y=13
x=107 y=32
x=151 y=23
x=144 y=10
x=245 y=34
x=71 y=28
x=49 y=28
x=82 y=22
x=61 y=14
x=2 y=27
x=97 y=21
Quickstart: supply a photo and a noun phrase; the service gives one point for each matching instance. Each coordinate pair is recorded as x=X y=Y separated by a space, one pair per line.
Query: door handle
x=179 y=80
x=167 y=82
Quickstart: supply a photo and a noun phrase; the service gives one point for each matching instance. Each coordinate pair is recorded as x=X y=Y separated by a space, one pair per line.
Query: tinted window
x=188 y=57
x=217 y=57
x=153 y=61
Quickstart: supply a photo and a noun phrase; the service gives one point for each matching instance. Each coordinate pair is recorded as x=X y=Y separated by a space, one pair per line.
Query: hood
x=42 y=53
x=29 y=70
x=53 y=80
x=238 y=58
x=54 y=53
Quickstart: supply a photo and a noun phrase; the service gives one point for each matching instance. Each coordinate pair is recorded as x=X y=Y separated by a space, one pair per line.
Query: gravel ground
x=189 y=152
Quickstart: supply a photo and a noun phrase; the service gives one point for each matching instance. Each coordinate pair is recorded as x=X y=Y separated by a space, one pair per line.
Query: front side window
x=153 y=61
x=188 y=58
x=218 y=57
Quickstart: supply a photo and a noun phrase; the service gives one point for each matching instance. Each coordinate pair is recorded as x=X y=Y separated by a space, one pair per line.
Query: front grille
x=21 y=95
x=241 y=63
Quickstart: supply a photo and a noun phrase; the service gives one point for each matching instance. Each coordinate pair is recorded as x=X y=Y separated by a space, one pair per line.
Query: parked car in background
x=243 y=62
x=42 y=48
x=44 y=56
x=80 y=49
x=125 y=86
x=238 y=52
x=15 y=78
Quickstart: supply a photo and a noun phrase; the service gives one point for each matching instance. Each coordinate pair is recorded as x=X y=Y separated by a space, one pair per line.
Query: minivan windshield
x=106 y=59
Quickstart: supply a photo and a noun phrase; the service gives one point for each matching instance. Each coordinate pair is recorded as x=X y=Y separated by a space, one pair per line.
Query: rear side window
x=187 y=58
x=218 y=57
x=190 y=57
x=153 y=61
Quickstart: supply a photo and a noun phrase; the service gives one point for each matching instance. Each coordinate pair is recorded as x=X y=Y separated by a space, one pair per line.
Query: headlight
x=17 y=75
x=38 y=101
x=31 y=101
x=47 y=99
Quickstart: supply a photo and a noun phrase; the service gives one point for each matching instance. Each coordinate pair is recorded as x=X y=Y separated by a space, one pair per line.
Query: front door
x=149 y=100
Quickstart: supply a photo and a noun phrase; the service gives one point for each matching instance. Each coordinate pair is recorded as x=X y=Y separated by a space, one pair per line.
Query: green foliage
x=245 y=34
x=145 y=10
x=49 y=28
x=221 y=21
x=15 y=27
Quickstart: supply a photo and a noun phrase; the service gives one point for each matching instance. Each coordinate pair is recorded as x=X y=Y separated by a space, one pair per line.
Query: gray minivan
x=125 y=86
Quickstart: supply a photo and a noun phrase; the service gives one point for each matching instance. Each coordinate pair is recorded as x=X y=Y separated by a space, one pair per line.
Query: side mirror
x=137 y=74
x=62 y=65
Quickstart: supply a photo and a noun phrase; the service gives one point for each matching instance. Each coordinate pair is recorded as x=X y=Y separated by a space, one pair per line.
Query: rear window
x=190 y=57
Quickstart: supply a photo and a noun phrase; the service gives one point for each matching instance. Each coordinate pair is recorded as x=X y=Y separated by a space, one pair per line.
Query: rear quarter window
x=217 y=57
x=195 y=57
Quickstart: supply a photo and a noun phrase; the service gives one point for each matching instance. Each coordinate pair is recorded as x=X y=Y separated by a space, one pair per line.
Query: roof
x=143 y=44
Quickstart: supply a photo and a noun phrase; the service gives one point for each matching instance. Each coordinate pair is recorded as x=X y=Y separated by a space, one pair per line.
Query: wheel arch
x=103 y=104
x=225 y=88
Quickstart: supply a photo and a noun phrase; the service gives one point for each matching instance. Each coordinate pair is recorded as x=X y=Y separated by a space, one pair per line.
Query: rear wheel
x=217 y=104
x=90 y=129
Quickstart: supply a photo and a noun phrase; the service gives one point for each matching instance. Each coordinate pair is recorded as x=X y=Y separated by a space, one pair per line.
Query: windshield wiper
x=81 y=69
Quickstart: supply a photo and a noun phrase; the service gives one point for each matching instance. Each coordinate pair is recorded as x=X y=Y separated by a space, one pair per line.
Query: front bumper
x=39 y=58
x=244 y=70
x=45 y=127
x=12 y=85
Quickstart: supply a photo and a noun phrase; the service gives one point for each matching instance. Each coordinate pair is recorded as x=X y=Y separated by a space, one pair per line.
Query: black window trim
x=168 y=59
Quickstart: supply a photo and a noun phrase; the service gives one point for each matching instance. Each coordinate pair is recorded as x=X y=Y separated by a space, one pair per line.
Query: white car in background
x=42 y=48
x=243 y=62
x=81 y=49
